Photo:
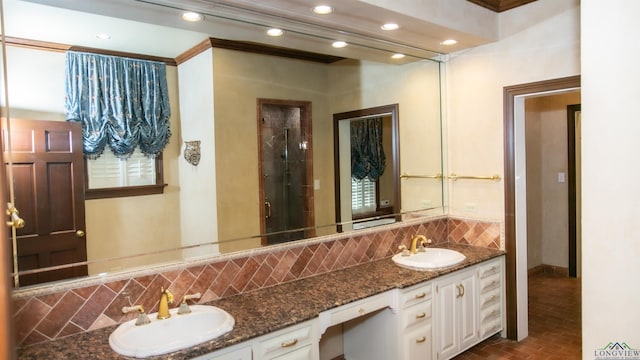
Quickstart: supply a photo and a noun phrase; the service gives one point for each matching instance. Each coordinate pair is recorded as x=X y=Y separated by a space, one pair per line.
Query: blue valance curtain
x=367 y=153
x=121 y=102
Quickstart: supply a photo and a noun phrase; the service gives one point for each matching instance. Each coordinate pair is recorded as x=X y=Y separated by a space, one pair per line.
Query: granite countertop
x=269 y=309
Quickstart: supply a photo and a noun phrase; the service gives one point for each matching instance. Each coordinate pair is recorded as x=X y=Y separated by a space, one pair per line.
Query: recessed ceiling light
x=275 y=32
x=339 y=44
x=323 y=9
x=192 y=16
x=390 y=26
x=397 y=56
x=103 y=36
x=449 y=42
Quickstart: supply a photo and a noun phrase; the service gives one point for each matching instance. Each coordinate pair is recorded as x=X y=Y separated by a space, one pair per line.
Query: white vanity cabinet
x=415 y=340
x=436 y=319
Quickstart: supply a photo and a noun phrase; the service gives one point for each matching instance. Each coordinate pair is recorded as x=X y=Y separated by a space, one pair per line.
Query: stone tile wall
x=45 y=316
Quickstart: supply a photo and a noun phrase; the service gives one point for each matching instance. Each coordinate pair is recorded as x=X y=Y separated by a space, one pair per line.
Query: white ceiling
x=155 y=28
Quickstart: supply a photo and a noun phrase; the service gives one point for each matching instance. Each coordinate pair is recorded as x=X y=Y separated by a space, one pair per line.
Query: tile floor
x=554 y=324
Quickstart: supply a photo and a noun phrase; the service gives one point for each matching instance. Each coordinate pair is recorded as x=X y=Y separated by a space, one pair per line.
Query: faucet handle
x=184 y=307
x=404 y=250
x=421 y=246
x=191 y=296
x=128 y=309
x=143 y=319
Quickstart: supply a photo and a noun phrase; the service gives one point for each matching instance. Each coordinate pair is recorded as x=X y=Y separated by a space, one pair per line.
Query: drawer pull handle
x=489 y=271
x=421 y=315
x=421 y=295
x=491 y=285
x=362 y=311
x=490 y=300
x=421 y=340
x=491 y=315
x=289 y=343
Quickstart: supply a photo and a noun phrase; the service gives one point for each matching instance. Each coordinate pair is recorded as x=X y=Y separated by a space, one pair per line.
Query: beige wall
x=610 y=176
x=240 y=79
x=118 y=226
x=539 y=41
x=547 y=198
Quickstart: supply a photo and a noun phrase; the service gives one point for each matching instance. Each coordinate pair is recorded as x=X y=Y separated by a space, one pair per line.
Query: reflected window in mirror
x=109 y=176
x=123 y=105
x=363 y=197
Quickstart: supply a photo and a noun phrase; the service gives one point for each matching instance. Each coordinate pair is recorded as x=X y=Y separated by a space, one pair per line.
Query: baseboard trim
x=548 y=269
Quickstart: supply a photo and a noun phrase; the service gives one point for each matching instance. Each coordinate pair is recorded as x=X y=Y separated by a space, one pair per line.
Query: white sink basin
x=177 y=332
x=432 y=258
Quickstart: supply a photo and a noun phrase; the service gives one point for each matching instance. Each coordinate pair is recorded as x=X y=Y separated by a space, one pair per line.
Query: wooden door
x=48 y=178
x=7 y=349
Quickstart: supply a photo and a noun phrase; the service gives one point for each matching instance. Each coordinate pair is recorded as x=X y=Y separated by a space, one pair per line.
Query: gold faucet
x=414 y=242
x=166 y=298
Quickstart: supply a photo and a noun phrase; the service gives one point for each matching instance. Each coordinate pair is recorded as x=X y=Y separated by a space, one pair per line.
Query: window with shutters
x=110 y=176
x=363 y=196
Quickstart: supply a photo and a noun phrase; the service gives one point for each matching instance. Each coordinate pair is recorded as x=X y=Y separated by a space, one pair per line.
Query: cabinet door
x=446 y=317
x=457 y=313
x=468 y=310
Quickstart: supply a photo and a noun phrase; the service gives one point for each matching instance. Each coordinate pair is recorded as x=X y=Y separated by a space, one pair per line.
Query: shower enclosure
x=286 y=168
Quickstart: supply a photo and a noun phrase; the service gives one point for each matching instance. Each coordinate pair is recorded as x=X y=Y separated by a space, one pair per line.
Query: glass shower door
x=284 y=172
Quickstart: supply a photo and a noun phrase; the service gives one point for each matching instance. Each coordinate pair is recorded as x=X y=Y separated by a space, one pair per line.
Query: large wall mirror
x=216 y=207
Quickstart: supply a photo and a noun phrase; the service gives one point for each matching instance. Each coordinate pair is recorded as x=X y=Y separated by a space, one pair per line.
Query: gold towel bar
x=407 y=176
x=452 y=176
x=495 y=177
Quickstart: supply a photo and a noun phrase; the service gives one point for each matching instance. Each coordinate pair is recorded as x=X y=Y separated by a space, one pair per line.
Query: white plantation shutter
x=108 y=171
x=363 y=196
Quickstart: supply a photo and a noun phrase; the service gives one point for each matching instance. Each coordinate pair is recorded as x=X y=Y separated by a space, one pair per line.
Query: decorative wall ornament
x=192 y=152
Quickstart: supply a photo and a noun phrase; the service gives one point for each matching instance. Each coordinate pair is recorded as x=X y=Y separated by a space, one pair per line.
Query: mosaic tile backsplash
x=54 y=315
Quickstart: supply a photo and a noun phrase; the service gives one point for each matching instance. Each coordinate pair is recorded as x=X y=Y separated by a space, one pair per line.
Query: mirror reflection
x=237 y=103
x=367 y=190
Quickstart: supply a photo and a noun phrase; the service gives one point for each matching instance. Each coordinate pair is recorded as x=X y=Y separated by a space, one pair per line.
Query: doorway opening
x=286 y=170
x=515 y=180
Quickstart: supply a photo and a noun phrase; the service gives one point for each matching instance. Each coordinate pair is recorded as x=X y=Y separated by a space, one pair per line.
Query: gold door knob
x=80 y=233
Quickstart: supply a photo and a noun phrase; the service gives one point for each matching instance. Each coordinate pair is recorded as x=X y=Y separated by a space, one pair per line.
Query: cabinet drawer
x=285 y=341
x=417 y=344
x=490 y=327
x=491 y=312
x=415 y=295
x=356 y=309
x=233 y=353
x=416 y=314
x=489 y=283
x=303 y=353
x=492 y=268
x=490 y=298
